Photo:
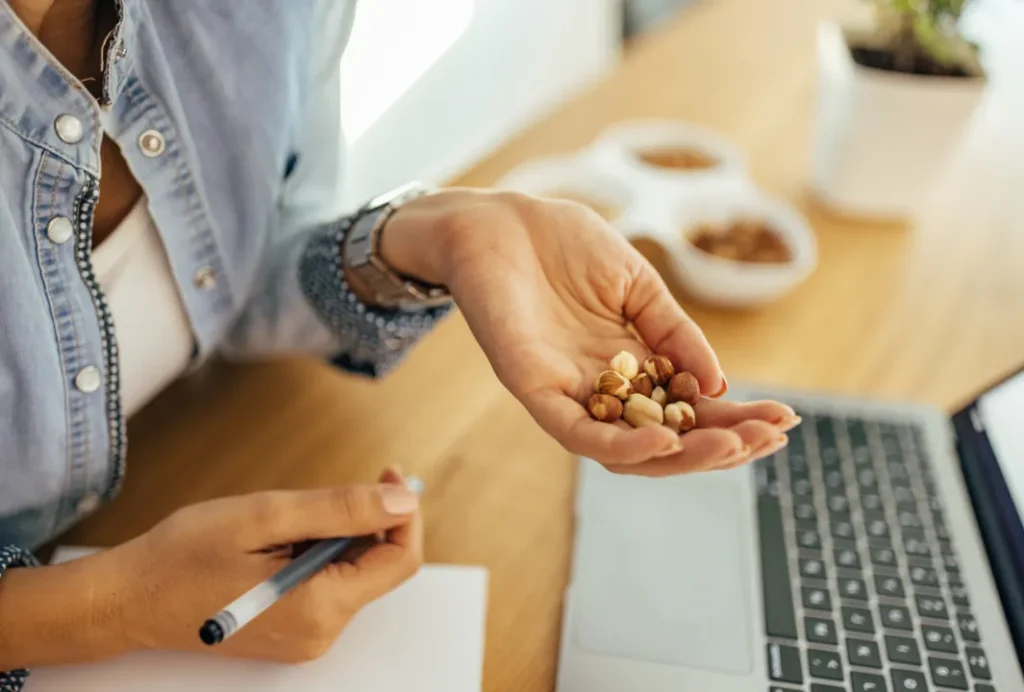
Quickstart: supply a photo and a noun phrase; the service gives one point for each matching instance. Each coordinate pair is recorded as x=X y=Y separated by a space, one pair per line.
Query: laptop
x=882 y=551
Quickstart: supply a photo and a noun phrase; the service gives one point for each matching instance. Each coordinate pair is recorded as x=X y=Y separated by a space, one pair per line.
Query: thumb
x=283 y=517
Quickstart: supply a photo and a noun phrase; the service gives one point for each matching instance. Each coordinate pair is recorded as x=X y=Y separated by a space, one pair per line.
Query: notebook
x=426 y=636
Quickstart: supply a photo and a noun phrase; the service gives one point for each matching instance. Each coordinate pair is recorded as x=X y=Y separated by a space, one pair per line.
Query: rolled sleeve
x=13 y=556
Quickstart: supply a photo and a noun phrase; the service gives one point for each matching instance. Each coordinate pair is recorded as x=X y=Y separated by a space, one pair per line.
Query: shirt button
x=88 y=503
x=205 y=279
x=69 y=128
x=152 y=143
x=60 y=229
x=88 y=379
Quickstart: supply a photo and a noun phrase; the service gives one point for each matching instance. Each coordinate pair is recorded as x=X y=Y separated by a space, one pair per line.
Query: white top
x=154 y=337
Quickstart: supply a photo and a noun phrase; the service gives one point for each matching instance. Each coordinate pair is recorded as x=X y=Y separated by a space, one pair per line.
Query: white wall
x=466 y=74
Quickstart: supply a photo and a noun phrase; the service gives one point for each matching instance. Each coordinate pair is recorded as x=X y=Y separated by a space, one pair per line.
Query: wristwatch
x=364 y=266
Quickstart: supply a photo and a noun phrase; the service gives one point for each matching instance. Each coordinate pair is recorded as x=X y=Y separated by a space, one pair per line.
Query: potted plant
x=893 y=102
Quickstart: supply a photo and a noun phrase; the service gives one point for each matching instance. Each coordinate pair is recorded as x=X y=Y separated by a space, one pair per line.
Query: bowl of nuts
x=645 y=394
x=671 y=152
x=739 y=248
x=575 y=179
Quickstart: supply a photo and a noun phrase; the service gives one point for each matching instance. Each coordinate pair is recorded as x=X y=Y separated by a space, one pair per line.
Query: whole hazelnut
x=679 y=416
x=684 y=387
x=604 y=407
x=611 y=382
x=659 y=397
x=660 y=369
x=643 y=384
x=625 y=364
x=639 y=411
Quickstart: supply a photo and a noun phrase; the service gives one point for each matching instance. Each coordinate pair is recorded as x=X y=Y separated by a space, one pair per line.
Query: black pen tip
x=211 y=632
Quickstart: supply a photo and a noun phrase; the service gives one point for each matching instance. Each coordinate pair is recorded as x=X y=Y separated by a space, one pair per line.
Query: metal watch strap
x=390 y=289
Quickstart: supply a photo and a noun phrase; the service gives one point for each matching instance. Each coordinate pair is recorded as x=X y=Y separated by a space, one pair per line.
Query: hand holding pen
x=204 y=557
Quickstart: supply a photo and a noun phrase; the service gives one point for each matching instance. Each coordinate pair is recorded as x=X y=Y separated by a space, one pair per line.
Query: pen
x=246 y=607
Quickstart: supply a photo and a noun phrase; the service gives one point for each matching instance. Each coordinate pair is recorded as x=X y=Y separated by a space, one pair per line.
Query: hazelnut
x=643 y=384
x=639 y=411
x=625 y=364
x=660 y=369
x=604 y=407
x=611 y=382
x=659 y=397
x=679 y=416
x=684 y=387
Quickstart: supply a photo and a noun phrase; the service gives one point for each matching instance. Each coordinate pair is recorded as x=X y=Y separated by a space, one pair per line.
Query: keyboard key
x=867 y=682
x=870 y=501
x=846 y=555
x=915 y=534
x=838 y=506
x=968 y=627
x=947 y=673
x=878 y=528
x=889 y=586
x=924 y=576
x=931 y=607
x=834 y=480
x=802 y=487
x=858 y=620
x=902 y=650
x=818 y=687
x=939 y=639
x=912 y=546
x=978 y=663
x=806 y=525
x=883 y=557
x=908 y=681
x=980 y=687
x=809 y=540
x=815 y=598
x=909 y=520
x=940 y=530
x=895 y=617
x=784 y=664
x=853 y=589
x=779 y=611
x=804 y=511
x=810 y=567
x=871 y=515
x=820 y=631
x=959 y=593
x=867 y=481
x=842 y=529
x=863 y=652
x=951 y=564
x=825 y=665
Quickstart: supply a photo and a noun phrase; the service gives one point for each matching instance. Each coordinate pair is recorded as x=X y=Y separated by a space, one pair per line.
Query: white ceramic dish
x=621 y=145
x=728 y=283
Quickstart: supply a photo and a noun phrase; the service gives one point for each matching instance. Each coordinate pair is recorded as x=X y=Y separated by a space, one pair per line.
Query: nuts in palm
x=639 y=411
x=611 y=382
x=625 y=364
x=604 y=407
x=660 y=369
x=684 y=387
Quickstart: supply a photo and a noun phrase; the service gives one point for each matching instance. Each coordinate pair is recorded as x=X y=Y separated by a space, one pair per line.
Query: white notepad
x=426 y=636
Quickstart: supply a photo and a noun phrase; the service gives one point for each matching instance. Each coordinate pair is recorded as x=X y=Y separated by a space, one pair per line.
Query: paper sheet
x=426 y=636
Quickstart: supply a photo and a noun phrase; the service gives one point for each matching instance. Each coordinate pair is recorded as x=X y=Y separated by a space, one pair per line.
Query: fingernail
x=674 y=448
x=787 y=423
x=723 y=390
x=398 y=500
x=735 y=455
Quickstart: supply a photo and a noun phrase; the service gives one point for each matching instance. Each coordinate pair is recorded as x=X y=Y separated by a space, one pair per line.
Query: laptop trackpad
x=665 y=573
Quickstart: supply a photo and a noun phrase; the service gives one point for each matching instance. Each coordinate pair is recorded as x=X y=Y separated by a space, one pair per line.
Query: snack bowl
x=578 y=178
x=670 y=152
x=730 y=282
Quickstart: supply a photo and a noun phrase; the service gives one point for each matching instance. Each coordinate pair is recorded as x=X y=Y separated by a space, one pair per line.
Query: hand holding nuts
x=660 y=369
x=604 y=408
x=684 y=387
x=625 y=364
x=639 y=411
x=656 y=396
x=679 y=416
x=611 y=382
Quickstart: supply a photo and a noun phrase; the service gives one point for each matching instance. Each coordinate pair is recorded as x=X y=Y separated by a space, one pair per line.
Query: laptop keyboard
x=862 y=589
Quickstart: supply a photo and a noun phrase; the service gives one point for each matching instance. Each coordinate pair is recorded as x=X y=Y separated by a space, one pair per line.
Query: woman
x=167 y=192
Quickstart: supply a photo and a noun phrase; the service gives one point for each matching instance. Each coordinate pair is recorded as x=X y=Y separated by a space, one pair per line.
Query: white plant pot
x=883 y=138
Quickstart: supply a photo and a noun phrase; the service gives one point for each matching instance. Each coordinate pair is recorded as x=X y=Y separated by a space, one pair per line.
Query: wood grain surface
x=928 y=313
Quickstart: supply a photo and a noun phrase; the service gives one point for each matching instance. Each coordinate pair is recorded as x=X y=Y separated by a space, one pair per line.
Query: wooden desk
x=928 y=314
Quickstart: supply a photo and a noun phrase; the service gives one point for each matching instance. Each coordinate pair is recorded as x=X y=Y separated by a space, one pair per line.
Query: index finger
x=569 y=423
x=669 y=331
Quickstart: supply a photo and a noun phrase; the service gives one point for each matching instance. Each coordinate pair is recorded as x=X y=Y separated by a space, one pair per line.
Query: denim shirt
x=231 y=126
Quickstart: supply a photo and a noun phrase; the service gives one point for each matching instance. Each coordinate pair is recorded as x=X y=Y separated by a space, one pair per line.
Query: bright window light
x=393 y=44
